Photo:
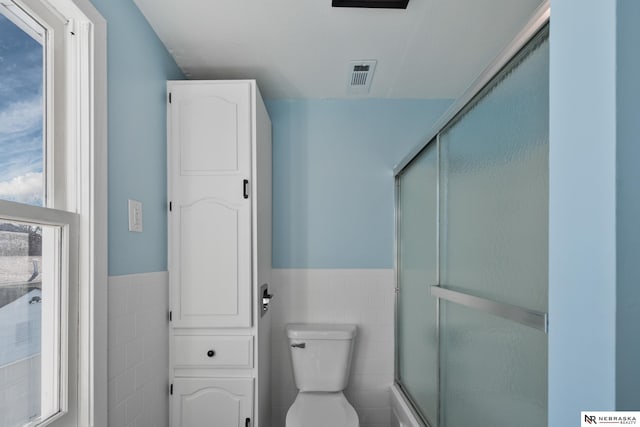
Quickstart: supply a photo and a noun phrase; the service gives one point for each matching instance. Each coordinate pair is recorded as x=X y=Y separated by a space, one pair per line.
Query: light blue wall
x=138 y=67
x=333 y=179
x=628 y=206
x=582 y=209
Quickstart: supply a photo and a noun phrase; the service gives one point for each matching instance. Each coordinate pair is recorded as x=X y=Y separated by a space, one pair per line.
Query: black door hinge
x=170 y=316
x=169 y=97
x=170 y=206
x=247 y=422
x=171 y=389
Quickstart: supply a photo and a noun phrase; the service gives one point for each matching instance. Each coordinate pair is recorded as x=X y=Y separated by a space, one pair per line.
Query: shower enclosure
x=472 y=251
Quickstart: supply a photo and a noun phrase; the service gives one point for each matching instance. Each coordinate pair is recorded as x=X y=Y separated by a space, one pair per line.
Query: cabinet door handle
x=247 y=422
x=245 y=188
x=211 y=353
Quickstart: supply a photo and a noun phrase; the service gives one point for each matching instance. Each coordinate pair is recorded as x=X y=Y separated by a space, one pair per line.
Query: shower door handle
x=299 y=345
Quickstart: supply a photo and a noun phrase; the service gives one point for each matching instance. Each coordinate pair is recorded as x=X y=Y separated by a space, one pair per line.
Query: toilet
x=321 y=358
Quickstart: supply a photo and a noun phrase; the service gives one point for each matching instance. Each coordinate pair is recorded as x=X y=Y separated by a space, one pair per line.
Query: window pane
x=21 y=108
x=29 y=322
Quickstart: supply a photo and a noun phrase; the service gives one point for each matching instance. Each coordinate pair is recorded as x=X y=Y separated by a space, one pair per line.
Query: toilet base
x=321 y=409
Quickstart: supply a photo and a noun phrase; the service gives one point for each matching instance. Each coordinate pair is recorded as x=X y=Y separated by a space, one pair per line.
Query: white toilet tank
x=321 y=355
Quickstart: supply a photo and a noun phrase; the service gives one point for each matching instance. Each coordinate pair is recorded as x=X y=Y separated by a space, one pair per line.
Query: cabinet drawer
x=213 y=351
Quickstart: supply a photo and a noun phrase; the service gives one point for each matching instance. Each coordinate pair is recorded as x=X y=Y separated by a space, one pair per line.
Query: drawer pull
x=211 y=353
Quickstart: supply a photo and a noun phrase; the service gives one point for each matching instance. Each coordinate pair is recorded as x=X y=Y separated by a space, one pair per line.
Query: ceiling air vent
x=360 y=76
x=387 y=4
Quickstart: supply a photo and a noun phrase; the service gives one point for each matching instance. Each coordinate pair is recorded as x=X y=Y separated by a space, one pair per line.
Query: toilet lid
x=321 y=410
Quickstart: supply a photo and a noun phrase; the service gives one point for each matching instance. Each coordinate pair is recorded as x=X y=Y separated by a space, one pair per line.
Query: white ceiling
x=301 y=48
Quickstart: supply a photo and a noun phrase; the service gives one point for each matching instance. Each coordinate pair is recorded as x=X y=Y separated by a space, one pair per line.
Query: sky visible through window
x=21 y=115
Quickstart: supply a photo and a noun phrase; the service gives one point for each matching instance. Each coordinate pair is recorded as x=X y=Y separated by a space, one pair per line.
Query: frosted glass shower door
x=417 y=359
x=494 y=246
x=472 y=256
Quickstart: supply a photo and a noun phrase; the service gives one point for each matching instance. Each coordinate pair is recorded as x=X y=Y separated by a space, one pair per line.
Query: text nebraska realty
x=592 y=419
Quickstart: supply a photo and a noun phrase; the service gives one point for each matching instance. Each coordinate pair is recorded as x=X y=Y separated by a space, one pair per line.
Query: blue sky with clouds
x=21 y=115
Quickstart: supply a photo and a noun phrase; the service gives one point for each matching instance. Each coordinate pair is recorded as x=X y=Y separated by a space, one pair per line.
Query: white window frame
x=60 y=329
x=78 y=160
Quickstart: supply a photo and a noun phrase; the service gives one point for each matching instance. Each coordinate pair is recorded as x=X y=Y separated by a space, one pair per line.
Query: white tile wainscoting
x=138 y=350
x=138 y=340
x=363 y=297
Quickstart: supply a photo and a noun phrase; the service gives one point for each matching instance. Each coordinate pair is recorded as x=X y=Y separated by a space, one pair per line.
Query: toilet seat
x=317 y=409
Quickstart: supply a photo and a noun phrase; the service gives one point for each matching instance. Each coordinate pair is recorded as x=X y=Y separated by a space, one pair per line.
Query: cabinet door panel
x=209 y=259
x=210 y=127
x=209 y=136
x=210 y=223
x=212 y=402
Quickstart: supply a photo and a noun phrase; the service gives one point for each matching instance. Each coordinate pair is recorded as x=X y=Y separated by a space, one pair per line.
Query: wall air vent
x=360 y=76
x=386 y=4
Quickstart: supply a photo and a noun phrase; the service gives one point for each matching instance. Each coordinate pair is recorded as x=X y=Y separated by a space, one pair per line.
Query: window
x=22 y=110
x=37 y=313
x=52 y=214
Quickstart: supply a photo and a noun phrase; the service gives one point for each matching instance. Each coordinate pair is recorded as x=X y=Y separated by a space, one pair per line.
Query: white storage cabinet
x=219 y=192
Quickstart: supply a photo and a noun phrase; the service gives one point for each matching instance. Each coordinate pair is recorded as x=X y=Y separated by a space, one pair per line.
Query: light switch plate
x=135 y=216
